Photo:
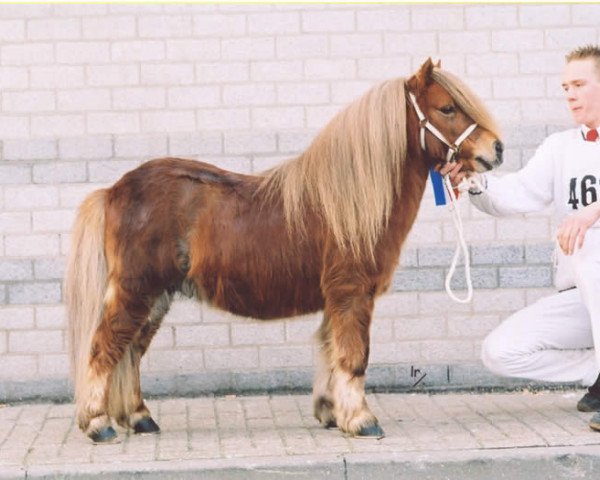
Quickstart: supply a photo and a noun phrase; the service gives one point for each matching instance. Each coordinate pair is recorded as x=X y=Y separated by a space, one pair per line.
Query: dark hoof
x=106 y=435
x=146 y=425
x=371 y=431
x=595 y=422
x=588 y=403
x=331 y=424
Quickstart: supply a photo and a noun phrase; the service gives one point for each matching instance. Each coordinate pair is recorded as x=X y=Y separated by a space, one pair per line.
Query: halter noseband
x=453 y=149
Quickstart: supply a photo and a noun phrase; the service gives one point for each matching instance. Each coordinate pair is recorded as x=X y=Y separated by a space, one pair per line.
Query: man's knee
x=495 y=355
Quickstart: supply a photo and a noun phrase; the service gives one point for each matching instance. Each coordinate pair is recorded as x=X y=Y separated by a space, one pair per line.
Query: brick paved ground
x=278 y=433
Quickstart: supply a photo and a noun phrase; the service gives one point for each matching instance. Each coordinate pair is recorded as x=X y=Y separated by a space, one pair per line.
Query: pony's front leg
x=322 y=393
x=349 y=312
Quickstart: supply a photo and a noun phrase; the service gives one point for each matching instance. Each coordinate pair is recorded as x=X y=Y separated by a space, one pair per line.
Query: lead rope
x=461 y=246
x=450 y=156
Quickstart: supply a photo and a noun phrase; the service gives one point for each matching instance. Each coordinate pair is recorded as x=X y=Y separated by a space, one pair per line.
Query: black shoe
x=589 y=403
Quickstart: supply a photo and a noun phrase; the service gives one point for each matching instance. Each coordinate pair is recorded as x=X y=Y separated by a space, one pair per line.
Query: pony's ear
x=420 y=80
x=438 y=64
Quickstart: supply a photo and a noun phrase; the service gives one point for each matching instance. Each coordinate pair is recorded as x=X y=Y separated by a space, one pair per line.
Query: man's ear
x=420 y=80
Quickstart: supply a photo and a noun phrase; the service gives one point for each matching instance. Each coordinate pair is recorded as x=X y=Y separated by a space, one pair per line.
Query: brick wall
x=90 y=91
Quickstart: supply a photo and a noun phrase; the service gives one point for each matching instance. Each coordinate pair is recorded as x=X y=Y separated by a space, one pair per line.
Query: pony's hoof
x=104 y=435
x=146 y=426
x=370 y=431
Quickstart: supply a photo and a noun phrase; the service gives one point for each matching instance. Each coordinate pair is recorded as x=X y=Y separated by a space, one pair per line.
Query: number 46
x=587 y=191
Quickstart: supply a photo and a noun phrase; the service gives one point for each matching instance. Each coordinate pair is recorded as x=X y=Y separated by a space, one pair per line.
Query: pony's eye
x=448 y=109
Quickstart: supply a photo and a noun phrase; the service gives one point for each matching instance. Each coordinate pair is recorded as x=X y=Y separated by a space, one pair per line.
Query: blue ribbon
x=438 y=187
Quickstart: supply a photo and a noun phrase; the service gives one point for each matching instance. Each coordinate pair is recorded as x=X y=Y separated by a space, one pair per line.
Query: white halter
x=425 y=124
x=461 y=246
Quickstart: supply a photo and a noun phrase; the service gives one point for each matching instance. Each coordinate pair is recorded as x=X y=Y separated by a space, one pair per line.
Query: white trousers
x=553 y=339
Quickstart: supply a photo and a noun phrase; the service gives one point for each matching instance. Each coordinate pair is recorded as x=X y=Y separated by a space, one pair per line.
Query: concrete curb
x=487 y=464
x=541 y=463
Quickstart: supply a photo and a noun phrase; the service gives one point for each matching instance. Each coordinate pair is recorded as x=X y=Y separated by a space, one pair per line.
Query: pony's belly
x=264 y=300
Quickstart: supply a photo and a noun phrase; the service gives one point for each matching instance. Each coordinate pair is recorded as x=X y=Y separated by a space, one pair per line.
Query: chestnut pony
x=320 y=232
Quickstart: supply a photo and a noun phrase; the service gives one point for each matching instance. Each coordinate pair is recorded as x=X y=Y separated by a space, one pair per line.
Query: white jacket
x=565 y=172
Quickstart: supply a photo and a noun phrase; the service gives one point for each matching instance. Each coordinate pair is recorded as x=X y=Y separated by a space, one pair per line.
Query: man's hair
x=585 y=52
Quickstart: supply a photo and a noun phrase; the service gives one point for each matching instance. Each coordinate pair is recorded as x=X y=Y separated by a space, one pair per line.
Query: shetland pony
x=320 y=232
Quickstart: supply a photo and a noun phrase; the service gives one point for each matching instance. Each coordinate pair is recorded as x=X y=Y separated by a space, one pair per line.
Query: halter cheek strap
x=453 y=149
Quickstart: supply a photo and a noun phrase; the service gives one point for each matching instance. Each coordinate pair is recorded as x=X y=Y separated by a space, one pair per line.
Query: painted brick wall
x=90 y=91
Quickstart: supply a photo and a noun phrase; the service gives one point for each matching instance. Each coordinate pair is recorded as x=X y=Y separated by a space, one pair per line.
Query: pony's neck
x=413 y=186
x=417 y=161
x=406 y=204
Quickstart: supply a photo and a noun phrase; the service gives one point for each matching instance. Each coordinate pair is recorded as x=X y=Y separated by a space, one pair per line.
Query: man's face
x=581 y=83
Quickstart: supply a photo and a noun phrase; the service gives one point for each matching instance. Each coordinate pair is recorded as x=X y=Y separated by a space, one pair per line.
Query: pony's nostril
x=499 y=147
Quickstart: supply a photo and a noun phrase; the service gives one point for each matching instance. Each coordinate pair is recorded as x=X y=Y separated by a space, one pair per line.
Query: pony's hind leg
x=322 y=393
x=350 y=312
x=121 y=321
x=133 y=412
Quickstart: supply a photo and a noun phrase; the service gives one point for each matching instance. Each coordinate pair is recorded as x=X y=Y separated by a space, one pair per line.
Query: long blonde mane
x=353 y=170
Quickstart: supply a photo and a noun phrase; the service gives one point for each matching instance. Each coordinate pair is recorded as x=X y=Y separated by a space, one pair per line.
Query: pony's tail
x=85 y=288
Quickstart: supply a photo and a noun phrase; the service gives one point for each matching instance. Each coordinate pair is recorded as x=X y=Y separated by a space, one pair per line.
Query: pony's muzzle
x=486 y=163
x=499 y=147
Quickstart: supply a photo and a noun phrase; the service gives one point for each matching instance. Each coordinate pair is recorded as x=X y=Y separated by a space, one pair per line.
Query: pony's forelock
x=466 y=99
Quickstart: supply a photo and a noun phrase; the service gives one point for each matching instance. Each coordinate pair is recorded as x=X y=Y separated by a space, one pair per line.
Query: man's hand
x=453 y=171
x=573 y=228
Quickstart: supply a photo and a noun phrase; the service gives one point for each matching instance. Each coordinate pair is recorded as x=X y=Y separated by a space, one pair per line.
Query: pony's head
x=453 y=123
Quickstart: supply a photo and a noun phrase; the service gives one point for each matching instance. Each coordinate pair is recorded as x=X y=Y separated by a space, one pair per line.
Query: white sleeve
x=529 y=190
